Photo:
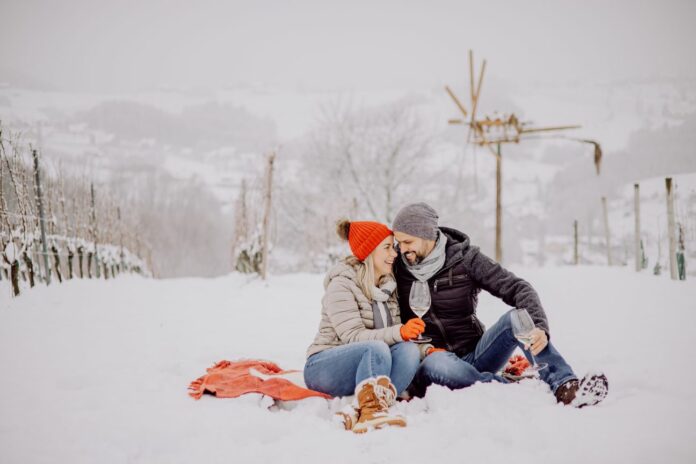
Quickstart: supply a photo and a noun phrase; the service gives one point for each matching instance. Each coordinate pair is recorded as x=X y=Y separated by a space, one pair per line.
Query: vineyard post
x=42 y=220
x=94 y=232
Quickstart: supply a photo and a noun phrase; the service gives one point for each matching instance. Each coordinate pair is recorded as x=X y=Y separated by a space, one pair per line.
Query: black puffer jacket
x=452 y=321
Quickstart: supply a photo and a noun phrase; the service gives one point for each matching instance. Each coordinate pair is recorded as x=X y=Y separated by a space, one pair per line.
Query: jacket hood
x=457 y=244
x=341 y=269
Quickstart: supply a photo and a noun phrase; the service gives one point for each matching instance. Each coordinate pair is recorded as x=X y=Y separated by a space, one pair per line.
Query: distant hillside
x=204 y=126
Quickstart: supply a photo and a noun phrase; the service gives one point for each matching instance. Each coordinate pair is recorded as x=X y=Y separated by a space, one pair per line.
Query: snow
x=97 y=371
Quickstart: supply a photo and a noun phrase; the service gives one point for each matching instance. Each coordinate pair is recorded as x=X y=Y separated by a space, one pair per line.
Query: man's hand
x=539 y=341
x=412 y=329
x=432 y=350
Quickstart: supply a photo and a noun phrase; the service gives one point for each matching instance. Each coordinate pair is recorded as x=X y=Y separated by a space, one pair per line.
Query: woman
x=361 y=346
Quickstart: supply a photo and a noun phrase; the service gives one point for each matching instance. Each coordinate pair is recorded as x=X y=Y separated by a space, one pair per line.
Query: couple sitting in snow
x=365 y=341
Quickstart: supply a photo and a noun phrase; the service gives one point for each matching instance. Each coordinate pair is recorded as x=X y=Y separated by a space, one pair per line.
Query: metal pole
x=498 y=207
x=636 y=207
x=94 y=232
x=671 y=230
x=42 y=219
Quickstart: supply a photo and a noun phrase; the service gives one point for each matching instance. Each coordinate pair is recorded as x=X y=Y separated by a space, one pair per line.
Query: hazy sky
x=349 y=45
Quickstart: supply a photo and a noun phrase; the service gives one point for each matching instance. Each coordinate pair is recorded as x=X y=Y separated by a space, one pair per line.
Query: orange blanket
x=231 y=379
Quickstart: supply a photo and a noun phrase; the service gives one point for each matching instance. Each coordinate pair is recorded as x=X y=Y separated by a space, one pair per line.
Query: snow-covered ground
x=98 y=372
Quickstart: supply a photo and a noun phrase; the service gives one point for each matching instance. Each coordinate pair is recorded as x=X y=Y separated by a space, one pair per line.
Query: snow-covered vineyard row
x=51 y=226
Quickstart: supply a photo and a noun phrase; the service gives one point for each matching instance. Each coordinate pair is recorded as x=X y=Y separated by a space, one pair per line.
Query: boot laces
x=385 y=395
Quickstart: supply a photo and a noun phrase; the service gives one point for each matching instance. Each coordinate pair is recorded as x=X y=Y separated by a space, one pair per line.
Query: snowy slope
x=97 y=372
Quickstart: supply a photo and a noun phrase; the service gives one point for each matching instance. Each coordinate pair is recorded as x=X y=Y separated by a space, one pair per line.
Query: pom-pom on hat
x=363 y=236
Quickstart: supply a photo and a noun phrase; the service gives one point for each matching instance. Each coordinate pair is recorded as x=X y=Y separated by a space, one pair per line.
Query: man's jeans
x=337 y=371
x=490 y=355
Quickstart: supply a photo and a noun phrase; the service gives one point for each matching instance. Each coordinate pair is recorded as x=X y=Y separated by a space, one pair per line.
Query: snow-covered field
x=98 y=372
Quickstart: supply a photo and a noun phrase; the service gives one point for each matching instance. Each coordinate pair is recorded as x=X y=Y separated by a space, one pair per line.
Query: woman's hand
x=412 y=329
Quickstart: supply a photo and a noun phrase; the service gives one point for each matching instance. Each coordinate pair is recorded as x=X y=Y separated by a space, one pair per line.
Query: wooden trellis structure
x=492 y=132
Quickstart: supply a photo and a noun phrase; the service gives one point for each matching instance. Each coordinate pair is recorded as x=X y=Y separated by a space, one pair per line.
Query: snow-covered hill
x=98 y=371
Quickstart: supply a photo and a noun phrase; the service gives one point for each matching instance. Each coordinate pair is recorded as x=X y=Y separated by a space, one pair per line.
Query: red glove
x=432 y=350
x=412 y=329
x=516 y=365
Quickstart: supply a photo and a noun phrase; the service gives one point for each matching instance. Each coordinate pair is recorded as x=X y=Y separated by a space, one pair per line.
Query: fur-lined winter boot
x=347 y=417
x=375 y=396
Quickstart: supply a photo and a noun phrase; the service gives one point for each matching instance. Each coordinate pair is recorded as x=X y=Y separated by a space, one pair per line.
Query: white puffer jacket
x=346 y=313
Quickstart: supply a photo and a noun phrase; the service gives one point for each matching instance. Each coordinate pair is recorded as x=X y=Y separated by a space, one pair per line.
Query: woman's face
x=383 y=257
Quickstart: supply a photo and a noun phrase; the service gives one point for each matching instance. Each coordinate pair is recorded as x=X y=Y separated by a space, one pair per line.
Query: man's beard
x=416 y=258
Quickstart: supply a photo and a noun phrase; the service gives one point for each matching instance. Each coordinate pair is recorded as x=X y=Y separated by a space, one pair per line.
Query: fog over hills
x=191 y=104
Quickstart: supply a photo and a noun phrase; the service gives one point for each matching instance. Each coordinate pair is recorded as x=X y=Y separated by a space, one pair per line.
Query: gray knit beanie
x=417 y=219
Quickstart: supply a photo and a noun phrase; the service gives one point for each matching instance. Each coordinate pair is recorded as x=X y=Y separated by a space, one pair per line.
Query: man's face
x=414 y=249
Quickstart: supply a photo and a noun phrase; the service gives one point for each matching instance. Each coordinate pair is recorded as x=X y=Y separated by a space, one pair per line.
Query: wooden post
x=671 y=230
x=80 y=255
x=681 y=254
x=267 y=215
x=607 y=234
x=56 y=262
x=30 y=267
x=71 y=255
x=636 y=207
x=42 y=219
x=576 y=257
x=90 y=255
x=94 y=234
x=498 y=207
x=14 y=277
x=120 y=228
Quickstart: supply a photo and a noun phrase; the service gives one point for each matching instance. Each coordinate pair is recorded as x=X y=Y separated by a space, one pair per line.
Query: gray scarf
x=380 y=296
x=432 y=263
x=384 y=292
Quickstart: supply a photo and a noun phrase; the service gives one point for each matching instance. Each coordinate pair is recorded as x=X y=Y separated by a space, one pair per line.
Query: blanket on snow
x=227 y=379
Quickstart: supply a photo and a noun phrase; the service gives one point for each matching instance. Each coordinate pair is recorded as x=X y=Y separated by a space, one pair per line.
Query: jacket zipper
x=442 y=330
x=446 y=279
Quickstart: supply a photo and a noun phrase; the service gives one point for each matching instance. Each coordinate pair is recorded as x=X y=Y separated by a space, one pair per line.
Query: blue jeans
x=337 y=371
x=490 y=355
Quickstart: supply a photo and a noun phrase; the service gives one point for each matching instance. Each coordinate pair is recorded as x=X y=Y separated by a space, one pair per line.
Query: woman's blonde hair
x=365 y=269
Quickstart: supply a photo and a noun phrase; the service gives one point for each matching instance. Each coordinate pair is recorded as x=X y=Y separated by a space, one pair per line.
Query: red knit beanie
x=364 y=236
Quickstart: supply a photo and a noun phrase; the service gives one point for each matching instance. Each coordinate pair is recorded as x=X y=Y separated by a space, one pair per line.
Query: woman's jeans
x=337 y=371
x=490 y=355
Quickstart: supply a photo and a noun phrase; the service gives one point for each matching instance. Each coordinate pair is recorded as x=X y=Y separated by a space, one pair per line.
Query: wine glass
x=522 y=327
x=419 y=300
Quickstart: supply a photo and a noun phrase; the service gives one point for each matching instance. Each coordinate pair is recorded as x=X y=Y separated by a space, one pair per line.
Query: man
x=463 y=351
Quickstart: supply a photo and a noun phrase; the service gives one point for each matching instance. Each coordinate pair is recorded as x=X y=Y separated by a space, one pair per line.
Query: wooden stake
x=671 y=230
x=607 y=235
x=472 y=87
x=576 y=257
x=636 y=208
x=120 y=229
x=498 y=207
x=94 y=233
x=267 y=215
x=42 y=219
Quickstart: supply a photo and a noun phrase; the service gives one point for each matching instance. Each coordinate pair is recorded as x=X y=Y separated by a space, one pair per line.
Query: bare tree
x=369 y=156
